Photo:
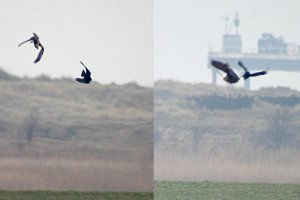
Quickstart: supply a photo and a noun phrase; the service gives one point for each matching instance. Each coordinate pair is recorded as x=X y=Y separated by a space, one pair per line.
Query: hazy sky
x=112 y=37
x=184 y=29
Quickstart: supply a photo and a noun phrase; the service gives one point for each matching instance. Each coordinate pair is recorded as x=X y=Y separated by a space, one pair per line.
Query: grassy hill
x=59 y=134
x=207 y=132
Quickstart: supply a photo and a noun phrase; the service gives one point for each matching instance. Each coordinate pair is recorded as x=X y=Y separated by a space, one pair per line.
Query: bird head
x=246 y=75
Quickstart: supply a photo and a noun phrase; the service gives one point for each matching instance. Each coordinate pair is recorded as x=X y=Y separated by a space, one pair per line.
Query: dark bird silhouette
x=247 y=74
x=86 y=75
x=231 y=77
x=36 y=41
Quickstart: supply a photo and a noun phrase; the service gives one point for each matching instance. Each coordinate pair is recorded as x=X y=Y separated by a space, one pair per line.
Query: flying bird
x=36 y=41
x=247 y=74
x=231 y=77
x=86 y=75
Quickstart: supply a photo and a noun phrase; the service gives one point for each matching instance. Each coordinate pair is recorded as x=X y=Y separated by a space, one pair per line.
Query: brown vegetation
x=205 y=132
x=62 y=135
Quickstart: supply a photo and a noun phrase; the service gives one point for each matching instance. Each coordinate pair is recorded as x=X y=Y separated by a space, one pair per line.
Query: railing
x=255 y=55
x=252 y=53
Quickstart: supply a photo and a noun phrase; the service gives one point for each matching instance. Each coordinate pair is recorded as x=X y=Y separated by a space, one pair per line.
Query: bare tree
x=157 y=136
x=31 y=123
x=279 y=131
x=197 y=133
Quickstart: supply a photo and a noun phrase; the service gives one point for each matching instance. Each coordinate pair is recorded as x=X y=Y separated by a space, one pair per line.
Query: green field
x=231 y=191
x=51 y=195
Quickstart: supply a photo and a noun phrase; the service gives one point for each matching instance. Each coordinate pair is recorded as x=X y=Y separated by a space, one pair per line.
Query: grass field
x=51 y=195
x=225 y=191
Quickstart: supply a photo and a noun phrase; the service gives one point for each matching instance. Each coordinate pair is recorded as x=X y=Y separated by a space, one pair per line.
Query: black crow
x=36 y=41
x=231 y=76
x=86 y=75
x=247 y=74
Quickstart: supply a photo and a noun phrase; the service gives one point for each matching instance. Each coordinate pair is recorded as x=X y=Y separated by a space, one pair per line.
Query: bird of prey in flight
x=231 y=77
x=36 y=41
x=86 y=75
x=247 y=74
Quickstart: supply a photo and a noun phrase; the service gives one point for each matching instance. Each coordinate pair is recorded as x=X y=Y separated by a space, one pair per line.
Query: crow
x=85 y=74
x=247 y=74
x=36 y=41
x=231 y=77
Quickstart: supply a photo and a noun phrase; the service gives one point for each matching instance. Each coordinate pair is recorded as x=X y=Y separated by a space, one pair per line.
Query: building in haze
x=272 y=53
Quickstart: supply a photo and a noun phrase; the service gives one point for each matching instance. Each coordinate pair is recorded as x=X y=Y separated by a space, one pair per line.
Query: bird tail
x=231 y=79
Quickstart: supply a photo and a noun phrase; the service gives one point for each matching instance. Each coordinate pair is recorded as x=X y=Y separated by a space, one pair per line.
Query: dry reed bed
x=72 y=174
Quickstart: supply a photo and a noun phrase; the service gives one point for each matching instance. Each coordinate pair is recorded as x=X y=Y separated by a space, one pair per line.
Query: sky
x=131 y=40
x=185 y=29
x=114 y=38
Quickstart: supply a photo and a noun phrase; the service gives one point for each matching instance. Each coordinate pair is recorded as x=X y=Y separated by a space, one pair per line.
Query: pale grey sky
x=184 y=29
x=112 y=37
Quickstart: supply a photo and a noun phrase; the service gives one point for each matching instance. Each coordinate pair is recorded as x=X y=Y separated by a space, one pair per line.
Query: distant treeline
x=283 y=101
x=217 y=102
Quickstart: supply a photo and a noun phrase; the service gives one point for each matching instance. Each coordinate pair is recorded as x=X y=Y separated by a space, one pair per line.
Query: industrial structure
x=272 y=52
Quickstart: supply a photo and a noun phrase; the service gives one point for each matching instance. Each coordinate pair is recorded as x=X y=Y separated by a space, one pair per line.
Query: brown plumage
x=231 y=77
x=36 y=41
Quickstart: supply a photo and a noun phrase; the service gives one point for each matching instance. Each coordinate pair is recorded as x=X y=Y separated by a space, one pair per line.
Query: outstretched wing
x=80 y=80
x=241 y=64
x=219 y=65
x=259 y=73
x=40 y=55
x=88 y=73
x=24 y=42
x=82 y=63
